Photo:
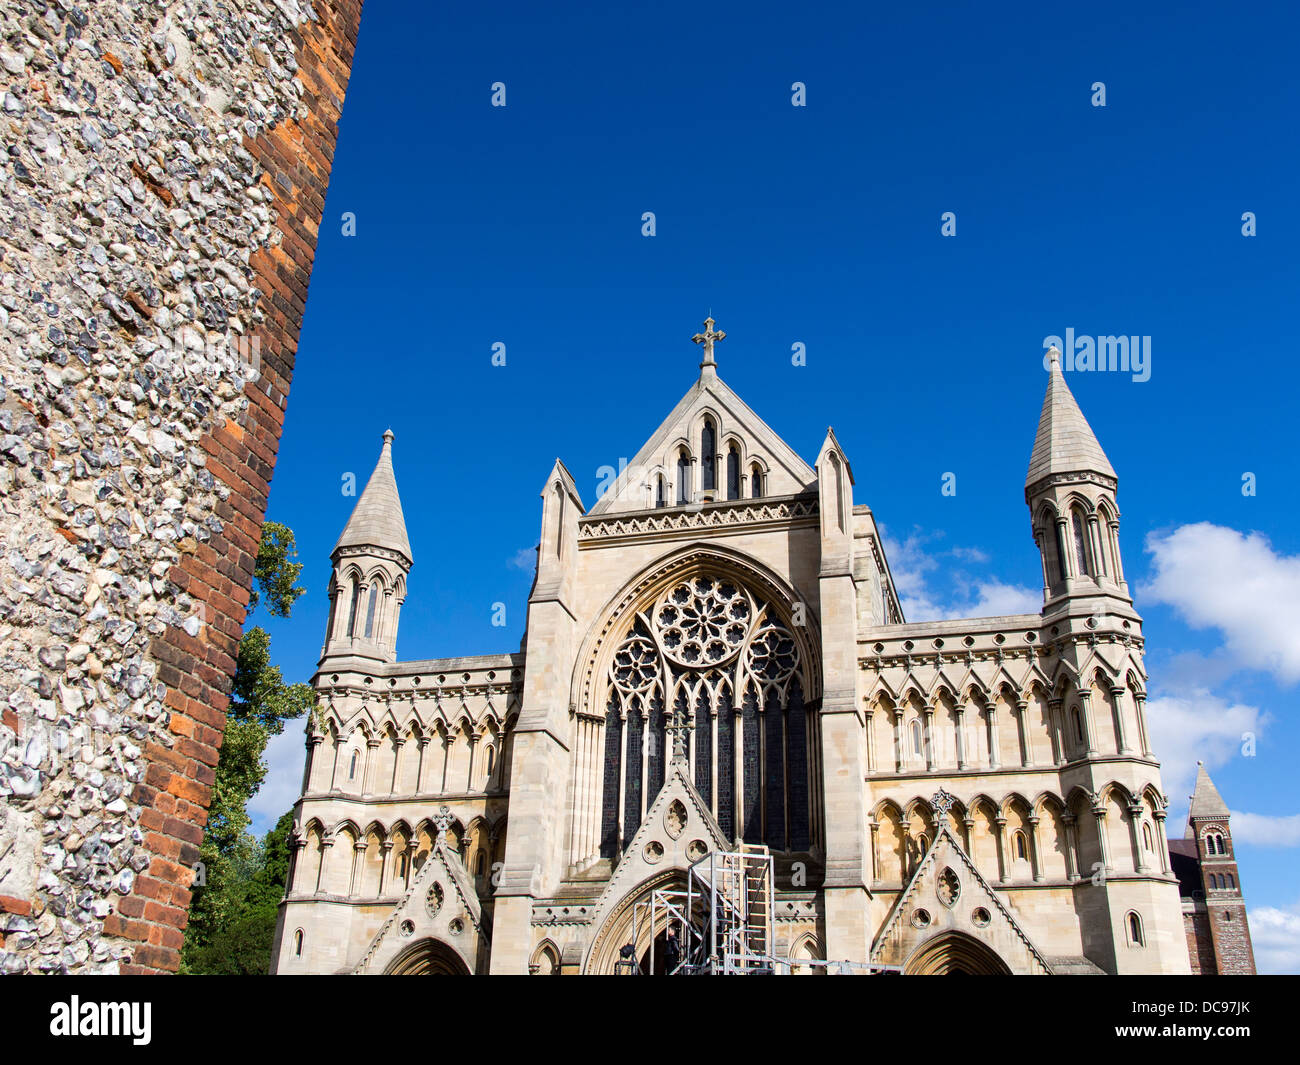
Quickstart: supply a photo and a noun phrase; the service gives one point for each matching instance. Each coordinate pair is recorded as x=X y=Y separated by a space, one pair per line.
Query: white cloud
x=285 y=755
x=1216 y=577
x=1196 y=724
x=914 y=567
x=525 y=559
x=1265 y=830
x=1275 y=935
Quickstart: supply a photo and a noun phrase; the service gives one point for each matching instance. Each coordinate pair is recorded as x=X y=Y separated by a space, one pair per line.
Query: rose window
x=703 y=621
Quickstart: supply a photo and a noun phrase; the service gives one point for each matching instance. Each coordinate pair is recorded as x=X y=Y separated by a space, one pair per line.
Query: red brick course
x=198 y=671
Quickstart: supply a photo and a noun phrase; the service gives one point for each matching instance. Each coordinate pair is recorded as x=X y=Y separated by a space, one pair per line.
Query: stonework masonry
x=164 y=180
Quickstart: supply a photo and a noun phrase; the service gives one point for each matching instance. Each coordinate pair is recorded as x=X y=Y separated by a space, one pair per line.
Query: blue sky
x=821 y=225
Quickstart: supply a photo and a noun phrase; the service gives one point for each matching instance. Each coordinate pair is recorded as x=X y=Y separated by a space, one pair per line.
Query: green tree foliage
x=232 y=916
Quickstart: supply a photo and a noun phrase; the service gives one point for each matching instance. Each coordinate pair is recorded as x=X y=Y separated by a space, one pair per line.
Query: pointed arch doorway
x=955 y=954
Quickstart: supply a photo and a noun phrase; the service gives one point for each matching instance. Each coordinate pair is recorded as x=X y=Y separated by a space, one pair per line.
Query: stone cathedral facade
x=973 y=796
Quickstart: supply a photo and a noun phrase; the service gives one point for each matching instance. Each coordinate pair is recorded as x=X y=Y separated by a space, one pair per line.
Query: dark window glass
x=708 y=457
x=756 y=483
x=659 y=492
x=733 y=473
x=1080 y=551
x=683 y=477
x=352 y=611
x=370 y=610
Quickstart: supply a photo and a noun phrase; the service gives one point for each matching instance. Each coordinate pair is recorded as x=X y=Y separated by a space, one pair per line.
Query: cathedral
x=716 y=664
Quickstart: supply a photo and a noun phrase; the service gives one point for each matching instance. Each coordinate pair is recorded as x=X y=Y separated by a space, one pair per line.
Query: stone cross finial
x=941 y=802
x=442 y=821
x=679 y=726
x=706 y=339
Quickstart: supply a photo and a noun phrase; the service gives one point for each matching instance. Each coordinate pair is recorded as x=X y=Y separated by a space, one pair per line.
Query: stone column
x=339 y=746
x=358 y=859
x=1139 y=852
x=1094 y=540
x=398 y=744
x=1089 y=728
x=1162 y=841
x=1004 y=866
x=326 y=842
x=1040 y=540
x=293 y=882
x=419 y=768
x=1140 y=703
x=1054 y=727
x=962 y=759
x=1063 y=540
x=368 y=770
x=1100 y=813
x=928 y=739
x=1121 y=734
x=385 y=850
x=472 y=739
x=1026 y=755
x=900 y=738
x=874 y=826
x=995 y=760
x=871 y=741
x=313 y=743
x=1071 y=847
x=1119 y=564
x=1034 y=854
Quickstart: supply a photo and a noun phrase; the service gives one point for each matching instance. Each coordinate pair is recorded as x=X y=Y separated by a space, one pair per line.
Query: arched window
x=1232 y=882
x=1078 y=724
x=491 y=759
x=1135 y=937
x=1022 y=847
x=352 y=766
x=923 y=842
x=916 y=738
x=756 y=482
x=1214 y=844
x=297 y=944
x=352 y=611
x=708 y=457
x=1060 y=553
x=370 y=609
x=1214 y=882
x=1080 y=544
x=733 y=472
x=660 y=500
x=683 y=477
x=1146 y=838
x=402 y=865
x=480 y=864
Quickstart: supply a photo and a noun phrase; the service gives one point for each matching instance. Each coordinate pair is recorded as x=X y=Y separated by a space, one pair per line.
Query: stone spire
x=1206 y=800
x=1065 y=442
x=377 y=519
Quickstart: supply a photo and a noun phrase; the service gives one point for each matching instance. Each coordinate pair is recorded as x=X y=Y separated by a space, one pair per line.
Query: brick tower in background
x=1214 y=910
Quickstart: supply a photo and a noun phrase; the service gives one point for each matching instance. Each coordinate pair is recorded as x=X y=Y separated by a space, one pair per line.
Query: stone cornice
x=664 y=521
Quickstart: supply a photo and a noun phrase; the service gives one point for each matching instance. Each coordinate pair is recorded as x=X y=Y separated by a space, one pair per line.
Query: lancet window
x=709 y=659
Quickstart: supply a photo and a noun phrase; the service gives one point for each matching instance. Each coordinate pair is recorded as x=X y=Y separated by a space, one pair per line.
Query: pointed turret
x=1206 y=800
x=1070 y=489
x=377 y=519
x=371 y=561
x=1065 y=442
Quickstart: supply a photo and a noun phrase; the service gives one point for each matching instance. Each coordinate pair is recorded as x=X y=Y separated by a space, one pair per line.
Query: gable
x=953 y=898
x=440 y=904
x=784 y=472
x=663 y=843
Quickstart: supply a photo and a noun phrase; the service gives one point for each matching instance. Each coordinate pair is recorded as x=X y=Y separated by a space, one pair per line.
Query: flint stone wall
x=163 y=182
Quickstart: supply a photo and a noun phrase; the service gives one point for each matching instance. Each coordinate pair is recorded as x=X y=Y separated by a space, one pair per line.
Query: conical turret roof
x=1206 y=800
x=1065 y=442
x=377 y=519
